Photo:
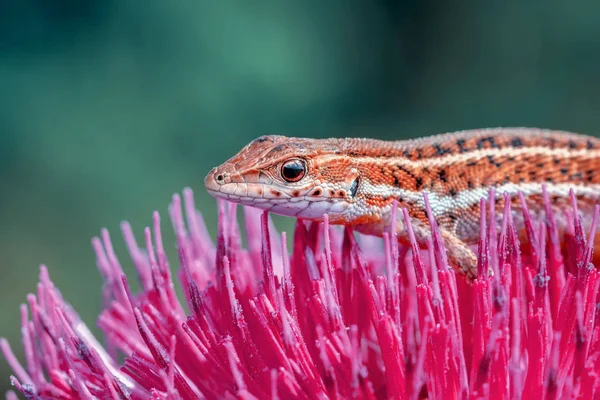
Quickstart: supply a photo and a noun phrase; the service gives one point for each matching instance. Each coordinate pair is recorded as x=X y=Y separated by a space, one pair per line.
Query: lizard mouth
x=272 y=198
x=220 y=185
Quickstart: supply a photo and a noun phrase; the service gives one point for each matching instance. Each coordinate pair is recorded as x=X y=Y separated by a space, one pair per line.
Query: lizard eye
x=293 y=170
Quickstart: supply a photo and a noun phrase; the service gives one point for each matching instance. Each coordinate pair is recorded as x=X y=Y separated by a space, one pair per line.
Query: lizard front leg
x=459 y=254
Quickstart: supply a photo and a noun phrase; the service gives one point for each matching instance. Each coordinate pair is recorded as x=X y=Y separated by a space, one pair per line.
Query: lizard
x=356 y=180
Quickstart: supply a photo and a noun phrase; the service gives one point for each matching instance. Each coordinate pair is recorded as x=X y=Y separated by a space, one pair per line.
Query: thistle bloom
x=343 y=316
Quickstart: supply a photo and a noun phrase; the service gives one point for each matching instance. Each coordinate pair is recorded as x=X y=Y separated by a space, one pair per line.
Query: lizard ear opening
x=354 y=186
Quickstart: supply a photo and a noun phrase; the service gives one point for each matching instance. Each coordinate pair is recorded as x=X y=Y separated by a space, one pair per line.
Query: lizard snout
x=215 y=179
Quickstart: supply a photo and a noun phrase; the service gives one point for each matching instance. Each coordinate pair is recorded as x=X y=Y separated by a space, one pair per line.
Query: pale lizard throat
x=355 y=181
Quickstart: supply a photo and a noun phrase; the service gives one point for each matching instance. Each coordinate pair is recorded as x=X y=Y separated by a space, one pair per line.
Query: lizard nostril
x=216 y=179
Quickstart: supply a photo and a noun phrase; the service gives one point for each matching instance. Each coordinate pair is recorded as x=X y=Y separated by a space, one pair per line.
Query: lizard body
x=355 y=181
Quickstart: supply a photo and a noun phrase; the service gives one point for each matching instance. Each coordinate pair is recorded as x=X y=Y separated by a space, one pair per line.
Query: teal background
x=108 y=107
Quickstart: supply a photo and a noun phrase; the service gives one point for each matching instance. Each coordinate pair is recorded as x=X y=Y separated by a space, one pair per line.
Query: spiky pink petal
x=342 y=316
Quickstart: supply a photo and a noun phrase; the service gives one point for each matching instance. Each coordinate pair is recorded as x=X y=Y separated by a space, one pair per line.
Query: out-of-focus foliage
x=110 y=106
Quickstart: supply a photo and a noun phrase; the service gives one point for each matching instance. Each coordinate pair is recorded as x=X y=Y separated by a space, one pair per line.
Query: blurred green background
x=108 y=107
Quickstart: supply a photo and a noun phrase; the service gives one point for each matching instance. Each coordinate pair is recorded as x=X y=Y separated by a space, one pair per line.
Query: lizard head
x=298 y=177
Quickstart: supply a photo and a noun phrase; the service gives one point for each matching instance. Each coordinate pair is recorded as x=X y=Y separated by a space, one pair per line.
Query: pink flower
x=343 y=316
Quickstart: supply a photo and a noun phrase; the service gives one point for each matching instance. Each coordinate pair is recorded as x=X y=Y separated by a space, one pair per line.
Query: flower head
x=343 y=316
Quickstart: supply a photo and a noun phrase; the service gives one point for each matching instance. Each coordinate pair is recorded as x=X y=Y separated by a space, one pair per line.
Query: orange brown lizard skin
x=355 y=181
